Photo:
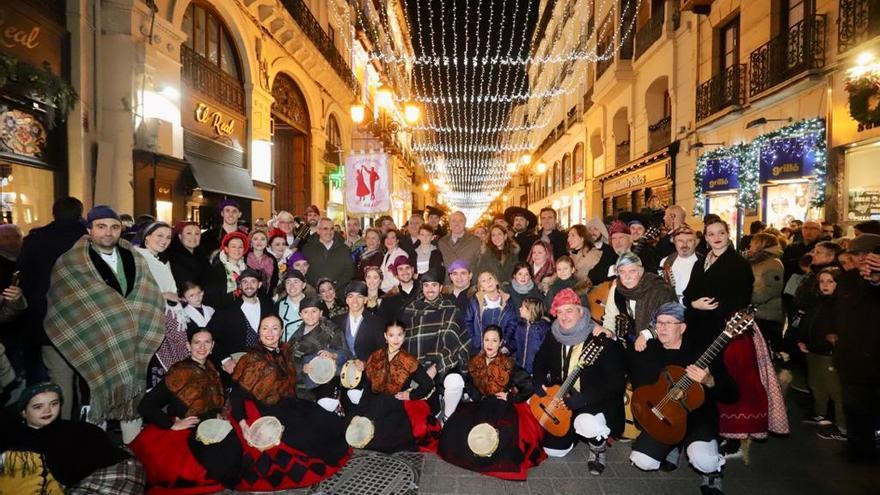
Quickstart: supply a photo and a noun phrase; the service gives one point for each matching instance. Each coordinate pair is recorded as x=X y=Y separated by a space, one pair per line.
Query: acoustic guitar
x=598 y=295
x=550 y=410
x=661 y=409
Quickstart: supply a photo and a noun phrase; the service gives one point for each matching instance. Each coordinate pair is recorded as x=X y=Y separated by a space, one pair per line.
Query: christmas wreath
x=864 y=97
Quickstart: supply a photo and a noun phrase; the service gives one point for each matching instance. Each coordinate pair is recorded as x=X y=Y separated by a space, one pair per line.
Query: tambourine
x=483 y=440
x=322 y=370
x=211 y=431
x=265 y=433
x=350 y=377
x=237 y=355
x=359 y=432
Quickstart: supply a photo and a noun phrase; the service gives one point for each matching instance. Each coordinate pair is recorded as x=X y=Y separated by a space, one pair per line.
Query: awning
x=222 y=179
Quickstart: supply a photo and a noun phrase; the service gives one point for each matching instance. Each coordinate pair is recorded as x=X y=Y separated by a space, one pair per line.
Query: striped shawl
x=109 y=339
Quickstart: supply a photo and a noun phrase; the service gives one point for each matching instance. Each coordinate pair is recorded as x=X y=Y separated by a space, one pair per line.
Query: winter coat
x=816 y=324
x=489 y=262
x=516 y=298
x=334 y=263
x=186 y=265
x=585 y=260
x=857 y=355
x=767 y=290
x=478 y=317
x=526 y=340
x=467 y=249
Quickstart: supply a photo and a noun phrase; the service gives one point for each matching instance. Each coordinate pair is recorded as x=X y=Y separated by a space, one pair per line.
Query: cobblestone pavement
x=801 y=464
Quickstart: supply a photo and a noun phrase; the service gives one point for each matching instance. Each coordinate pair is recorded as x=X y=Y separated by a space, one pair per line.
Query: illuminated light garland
x=748 y=155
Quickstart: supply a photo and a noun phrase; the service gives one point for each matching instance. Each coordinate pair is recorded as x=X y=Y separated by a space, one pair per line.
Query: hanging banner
x=789 y=157
x=367 y=182
x=722 y=174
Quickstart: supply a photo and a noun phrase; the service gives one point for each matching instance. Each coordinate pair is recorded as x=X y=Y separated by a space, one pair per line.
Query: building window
x=208 y=36
x=729 y=44
x=331 y=33
x=793 y=12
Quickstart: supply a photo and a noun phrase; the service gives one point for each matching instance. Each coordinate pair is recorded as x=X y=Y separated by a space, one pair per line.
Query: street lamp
x=541 y=168
x=411 y=112
x=387 y=120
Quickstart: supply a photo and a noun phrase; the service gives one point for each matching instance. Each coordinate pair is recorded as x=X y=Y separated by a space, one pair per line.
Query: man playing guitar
x=595 y=397
x=701 y=437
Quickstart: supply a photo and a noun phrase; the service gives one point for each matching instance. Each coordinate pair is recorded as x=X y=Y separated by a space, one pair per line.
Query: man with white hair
x=701 y=438
x=459 y=244
x=595 y=398
x=328 y=257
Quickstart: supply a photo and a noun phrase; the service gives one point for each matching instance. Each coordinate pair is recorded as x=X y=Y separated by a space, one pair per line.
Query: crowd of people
x=257 y=356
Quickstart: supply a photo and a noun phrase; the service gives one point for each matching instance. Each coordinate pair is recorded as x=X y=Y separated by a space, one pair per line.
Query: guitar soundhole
x=676 y=394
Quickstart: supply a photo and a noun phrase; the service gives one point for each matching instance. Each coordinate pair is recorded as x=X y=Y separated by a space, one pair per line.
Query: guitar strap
x=624 y=309
x=569 y=364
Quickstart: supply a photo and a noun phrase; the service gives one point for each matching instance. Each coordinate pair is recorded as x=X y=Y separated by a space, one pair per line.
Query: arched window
x=549 y=189
x=557 y=178
x=566 y=170
x=578 y=162
x=206 y=35
x=334 y=141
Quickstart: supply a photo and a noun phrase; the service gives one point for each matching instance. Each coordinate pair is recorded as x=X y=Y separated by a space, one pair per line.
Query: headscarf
x=598 y=224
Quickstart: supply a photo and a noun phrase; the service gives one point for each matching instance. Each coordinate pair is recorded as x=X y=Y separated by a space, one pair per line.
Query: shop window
x=578 y=162
x=862 y=184
x=557 y=178
x=566 y=170
x=23 y=193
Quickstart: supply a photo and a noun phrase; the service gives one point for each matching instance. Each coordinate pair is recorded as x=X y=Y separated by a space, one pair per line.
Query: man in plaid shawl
x=105 y=316
x=434 y=337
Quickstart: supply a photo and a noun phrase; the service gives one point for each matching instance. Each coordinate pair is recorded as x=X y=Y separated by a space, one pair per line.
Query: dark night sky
x=486 y=28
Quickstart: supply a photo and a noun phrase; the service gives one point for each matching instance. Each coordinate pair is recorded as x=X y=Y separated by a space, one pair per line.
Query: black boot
x=596 y=461
x=711 y=484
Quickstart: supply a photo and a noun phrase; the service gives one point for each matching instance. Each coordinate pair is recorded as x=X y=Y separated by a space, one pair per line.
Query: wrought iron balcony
x=200 y=73
x=660 y=133
x=725 y=89
x=859 y=21
x=604 y=48
x=621 y=153
x=799 y=49
x=312 y=28
x=650 y=32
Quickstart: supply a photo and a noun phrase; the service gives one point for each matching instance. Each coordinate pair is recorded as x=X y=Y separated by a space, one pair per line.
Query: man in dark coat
x=595 y=397
x=406 y=291
x=230 y=212
x=524 y=223
x=362 y=332
x=791 y=255
x=857 y=346
x=551 y=234
x=235 y=328
x=40 y=250
x=328 y=257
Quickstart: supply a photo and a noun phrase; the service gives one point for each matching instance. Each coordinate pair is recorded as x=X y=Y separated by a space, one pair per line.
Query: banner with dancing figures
x=367 y=184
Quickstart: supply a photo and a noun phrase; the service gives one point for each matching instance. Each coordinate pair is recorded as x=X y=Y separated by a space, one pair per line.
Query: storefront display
x=791 y=165
x=629 y=188
x=34 y=99
x=720 y=183
x=862 y=183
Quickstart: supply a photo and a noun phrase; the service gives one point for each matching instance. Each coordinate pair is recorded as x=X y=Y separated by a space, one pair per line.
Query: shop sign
x=789 y=158
x=207 y=115
x=864 y=205
x=636 y=179
x=721 y=174
x=30 y=38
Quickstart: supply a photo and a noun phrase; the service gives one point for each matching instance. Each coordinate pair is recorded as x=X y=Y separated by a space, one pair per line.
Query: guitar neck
x=569 y=381
x=706 y=359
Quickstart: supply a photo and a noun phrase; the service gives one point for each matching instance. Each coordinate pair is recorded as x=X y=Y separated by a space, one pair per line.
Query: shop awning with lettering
x=789 y=158
x=222 y=179
x=721 y=174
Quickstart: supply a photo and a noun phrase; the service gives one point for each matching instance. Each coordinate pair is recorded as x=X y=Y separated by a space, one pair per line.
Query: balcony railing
x=205 y=76
x=605 y=49
x=650 y=32
x=307 y=22
x=726 y=89
x=799 y=49
x=621 y=153
x=588 y=100
x=859 y=21
x=659 y=133
x=572 y=116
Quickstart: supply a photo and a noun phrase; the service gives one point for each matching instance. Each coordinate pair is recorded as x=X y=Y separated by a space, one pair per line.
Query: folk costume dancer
x=391 y=403
x=312 y=444
x=176 y=462
x=498 y=390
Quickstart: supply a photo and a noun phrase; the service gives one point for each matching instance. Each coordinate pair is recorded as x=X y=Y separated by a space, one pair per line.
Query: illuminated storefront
x=721 y=187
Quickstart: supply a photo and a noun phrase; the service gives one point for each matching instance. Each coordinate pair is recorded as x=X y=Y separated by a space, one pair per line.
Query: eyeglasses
x=667 y=323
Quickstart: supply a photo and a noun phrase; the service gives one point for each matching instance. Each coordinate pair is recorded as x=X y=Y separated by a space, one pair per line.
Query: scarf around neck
x=649 y=294
x=576 y=335
x=522 y=289
x=233 y=270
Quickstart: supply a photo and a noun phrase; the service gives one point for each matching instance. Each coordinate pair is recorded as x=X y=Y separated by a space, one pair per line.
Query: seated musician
x=499 y=390
x=633 y=298
x=311 y=446
x=596 y=397
x=175 y=461
x=316 y=337
x=391 y=403
x=701 y=439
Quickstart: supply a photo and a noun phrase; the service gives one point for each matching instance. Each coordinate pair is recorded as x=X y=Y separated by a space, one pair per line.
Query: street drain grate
x=374 y=473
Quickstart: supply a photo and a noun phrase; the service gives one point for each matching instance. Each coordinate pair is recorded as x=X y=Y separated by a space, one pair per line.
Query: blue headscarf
x=672 y=309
